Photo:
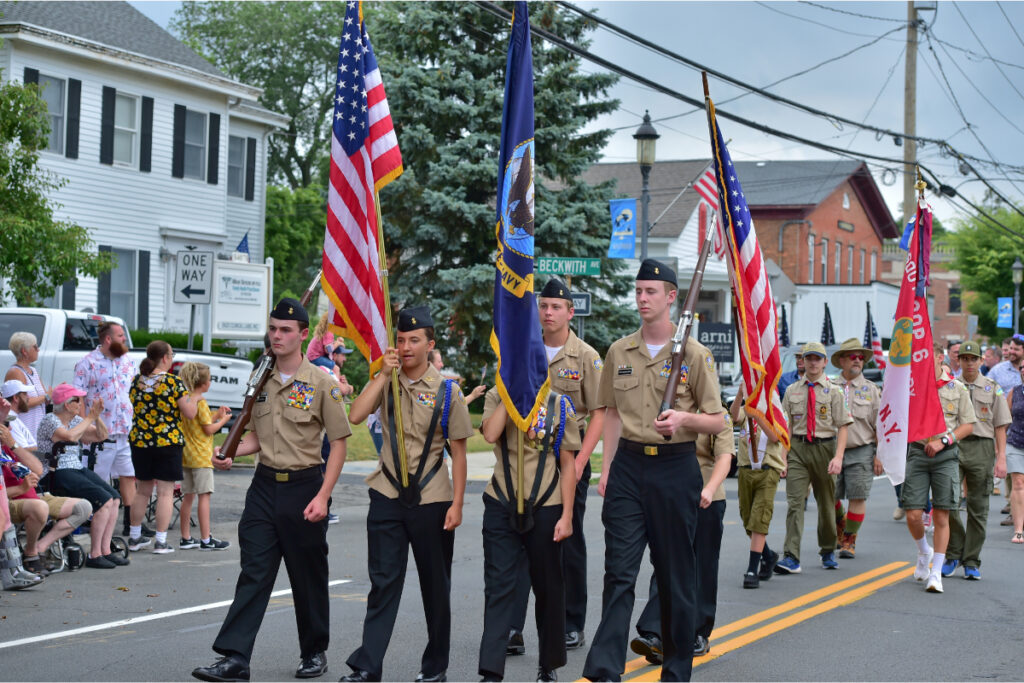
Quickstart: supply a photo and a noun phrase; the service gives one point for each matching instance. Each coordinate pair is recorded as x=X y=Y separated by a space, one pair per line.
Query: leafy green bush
x=179 y=340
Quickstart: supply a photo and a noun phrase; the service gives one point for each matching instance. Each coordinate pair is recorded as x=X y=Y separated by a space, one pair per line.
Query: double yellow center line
x=860 y=586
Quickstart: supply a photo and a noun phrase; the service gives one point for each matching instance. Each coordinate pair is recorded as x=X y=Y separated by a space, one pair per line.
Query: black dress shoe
x=751 y=580
x=574 y=640
x=543 y=675
x=767 y=567
x=359 y=676
x=516 y=644
x=436 y=678
x=701 y=646
x=312 y=666
x=649 y=646
x=230 y=668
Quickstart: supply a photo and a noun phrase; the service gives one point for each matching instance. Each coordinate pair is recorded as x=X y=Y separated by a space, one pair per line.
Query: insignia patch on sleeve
x=336 y=394
x=709 y=361
x=598 y=364
x=301 y=395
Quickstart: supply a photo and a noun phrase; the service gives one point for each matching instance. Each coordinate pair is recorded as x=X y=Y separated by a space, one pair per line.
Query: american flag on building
x=707 y=188
x=364 y=158
x=755 y=307
x=873 y=341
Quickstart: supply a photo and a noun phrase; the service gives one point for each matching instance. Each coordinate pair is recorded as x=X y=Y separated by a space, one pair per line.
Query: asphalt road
x=155 y=619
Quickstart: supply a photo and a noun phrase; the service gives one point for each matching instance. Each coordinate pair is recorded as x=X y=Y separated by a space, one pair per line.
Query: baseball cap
x=970 y=348
x=14 y=386
x=341 y=348
x=814 y=349
x=64 y=391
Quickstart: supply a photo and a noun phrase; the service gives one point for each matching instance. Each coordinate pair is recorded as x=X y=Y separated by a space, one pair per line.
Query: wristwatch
x=947 y=440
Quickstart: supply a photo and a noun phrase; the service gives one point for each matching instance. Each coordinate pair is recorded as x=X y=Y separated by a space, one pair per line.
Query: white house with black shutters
x=160 y=150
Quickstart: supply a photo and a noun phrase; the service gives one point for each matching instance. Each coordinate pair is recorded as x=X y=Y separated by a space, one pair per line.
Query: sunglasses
x=855 y=356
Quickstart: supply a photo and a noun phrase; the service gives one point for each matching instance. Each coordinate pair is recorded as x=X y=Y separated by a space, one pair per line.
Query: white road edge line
x=139 y=620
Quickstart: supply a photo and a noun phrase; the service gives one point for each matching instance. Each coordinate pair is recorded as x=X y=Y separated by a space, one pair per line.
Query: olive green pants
x=808 y=466
x=977 y=458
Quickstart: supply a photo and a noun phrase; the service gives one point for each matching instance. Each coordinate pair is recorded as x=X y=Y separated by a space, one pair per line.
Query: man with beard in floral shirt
x=106 y=373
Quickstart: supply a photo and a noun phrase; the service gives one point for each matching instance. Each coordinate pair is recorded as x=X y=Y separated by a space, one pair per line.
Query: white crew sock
x=922 y=545
x=937 y=562
x=161 y=537
x=135 y=531
x=206 y=540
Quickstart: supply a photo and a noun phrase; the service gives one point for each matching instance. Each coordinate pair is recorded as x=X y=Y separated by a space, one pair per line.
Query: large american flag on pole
x=755 y=307
x=364 y=158
x=707 y=188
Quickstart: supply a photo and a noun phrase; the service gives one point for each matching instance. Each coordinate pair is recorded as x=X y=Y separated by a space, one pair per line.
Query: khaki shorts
x=53 y=503
x=197 y=480
x=940 y=474
x=858 y=473
x=757 y=497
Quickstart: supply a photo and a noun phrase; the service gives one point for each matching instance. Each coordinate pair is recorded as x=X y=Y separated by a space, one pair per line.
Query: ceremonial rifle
x=254 y=387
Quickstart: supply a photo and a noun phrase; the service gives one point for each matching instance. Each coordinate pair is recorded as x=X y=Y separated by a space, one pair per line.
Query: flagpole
x=402 y=458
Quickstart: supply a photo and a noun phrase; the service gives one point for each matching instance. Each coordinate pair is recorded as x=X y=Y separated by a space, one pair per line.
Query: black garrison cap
x=414 y=318
x=556 y=289
x=290 y=309
x=655 y=270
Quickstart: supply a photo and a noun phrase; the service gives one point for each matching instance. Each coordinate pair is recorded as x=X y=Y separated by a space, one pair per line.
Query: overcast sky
x=760 y=43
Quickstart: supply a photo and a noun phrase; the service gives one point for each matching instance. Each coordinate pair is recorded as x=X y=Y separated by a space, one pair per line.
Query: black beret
x=414 y=318
x=556 y=289
x=290 y=309
x=655 y=270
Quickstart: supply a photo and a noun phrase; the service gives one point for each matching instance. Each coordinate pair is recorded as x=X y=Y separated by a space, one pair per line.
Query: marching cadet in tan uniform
x=574 y=369
x=979 y=453
x=860 y=465
x=816 y=413
x=652 y=485
x=422 y=515
x=544 y=488
x=933 y=465
x=285 y=512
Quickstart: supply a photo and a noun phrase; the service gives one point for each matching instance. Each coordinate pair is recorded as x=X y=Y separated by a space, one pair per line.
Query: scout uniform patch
x=598 y=364
x=568 y=373
x=684 y=372
x=336 y=394
x=823 y=410
x=666 y=369
x=710 y=362
x=301 y=395
x=425 y=399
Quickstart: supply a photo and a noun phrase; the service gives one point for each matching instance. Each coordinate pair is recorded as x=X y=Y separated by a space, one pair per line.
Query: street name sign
x=559 y=265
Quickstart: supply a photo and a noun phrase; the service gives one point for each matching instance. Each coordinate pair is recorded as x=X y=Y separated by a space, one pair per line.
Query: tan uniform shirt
x=634 y=383
x=570 y=442
x=575 y=371
x=956 y=405
x=290 y=418
x=418 y=398
x=829 y=408
x=990 y=407
x=709 y=447
x=863 y=398
x=772 y=456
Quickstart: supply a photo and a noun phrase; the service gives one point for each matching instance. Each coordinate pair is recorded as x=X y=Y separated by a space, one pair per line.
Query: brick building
x=948 y=315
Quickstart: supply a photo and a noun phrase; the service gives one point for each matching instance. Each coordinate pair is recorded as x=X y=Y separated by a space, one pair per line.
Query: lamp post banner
x=623 y=242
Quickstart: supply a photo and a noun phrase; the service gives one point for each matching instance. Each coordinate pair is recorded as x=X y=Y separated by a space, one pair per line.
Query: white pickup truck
x=66 y=336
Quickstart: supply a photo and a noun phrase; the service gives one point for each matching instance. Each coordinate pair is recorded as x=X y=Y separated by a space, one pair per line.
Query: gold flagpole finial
x=920 y=184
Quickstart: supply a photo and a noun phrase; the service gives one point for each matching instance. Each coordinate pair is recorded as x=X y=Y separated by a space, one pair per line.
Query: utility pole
x=910 y=117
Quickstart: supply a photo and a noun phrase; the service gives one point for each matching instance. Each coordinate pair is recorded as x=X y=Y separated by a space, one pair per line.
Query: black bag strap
x=539 y=477
x=418 y=479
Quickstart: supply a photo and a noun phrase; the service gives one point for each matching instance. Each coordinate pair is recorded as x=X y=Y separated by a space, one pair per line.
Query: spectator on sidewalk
x=25 y=348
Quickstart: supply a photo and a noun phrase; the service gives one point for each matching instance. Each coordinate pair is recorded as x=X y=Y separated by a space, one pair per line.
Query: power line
x=1010 y=23
x=811 y=21
x=852 y=14
x=980 y=42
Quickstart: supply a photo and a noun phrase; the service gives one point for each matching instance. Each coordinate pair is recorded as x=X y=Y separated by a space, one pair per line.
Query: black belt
x=637 y=448
x=820 y=439
x=284 y=476
x=972 y=437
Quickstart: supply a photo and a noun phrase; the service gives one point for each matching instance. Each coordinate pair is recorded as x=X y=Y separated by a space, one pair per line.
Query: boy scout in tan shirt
x=527 y=510
x=978 y=455
x=422 y=515
x=817 y=431
x=932 y=465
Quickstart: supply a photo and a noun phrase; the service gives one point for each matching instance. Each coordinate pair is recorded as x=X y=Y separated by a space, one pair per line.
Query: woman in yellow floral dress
x=160 y=400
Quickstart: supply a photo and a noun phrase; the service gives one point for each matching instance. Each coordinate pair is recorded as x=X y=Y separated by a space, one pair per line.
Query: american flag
x=755 y=307
x=708 y=190
x=364 y=158
x=872 y=340
x=828 y=333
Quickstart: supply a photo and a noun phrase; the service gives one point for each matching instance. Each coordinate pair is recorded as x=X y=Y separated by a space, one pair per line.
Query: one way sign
x=193 y=277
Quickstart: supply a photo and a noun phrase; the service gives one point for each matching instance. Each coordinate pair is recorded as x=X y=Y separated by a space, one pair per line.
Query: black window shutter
x=67 y=295
x=146 y=136
x=214 y=158
x=250 y=169
x=31 y=75
x=178 y=146
x=74 y=115
x=142 y=319
x=103 y=293
x=107 y=125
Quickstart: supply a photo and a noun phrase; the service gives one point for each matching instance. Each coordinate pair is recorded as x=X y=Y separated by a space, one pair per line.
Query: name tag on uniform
x=427 y=400
x=568 y=373
x=301 y=395
x=262 y=398
x=625 y=370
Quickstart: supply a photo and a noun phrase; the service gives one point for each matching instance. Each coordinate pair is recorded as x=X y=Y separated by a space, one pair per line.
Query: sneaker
x=118 y=559
x=187 y=544
x=787 y=565
x=147 y=532
x=924 y=561
x=750 y=580
x=213 y=544
x=899 y=513
x=767 y=566
x=162 y=548
x=948 y=567
x=972 y=574
x=934 y=583
x=136 y=544
x=332 y=518
x=99 y=563
x=828 y=561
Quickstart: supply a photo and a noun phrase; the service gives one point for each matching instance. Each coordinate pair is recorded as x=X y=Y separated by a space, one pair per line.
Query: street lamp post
x=646 y=137
x=1018 y=276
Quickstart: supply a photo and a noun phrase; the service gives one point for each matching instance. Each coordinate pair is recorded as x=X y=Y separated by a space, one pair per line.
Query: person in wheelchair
x=59 y=438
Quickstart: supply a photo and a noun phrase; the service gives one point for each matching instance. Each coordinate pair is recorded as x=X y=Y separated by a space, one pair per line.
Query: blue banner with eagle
x=522 y=377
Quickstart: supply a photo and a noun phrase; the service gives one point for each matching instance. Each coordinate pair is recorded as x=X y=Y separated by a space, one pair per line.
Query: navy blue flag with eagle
x=516 y=338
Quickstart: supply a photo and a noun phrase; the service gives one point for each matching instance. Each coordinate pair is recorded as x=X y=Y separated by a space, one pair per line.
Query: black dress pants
x=272 y=528
x=708 y=546
x=649 y=500
x=391 y=528
x=502 y=548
